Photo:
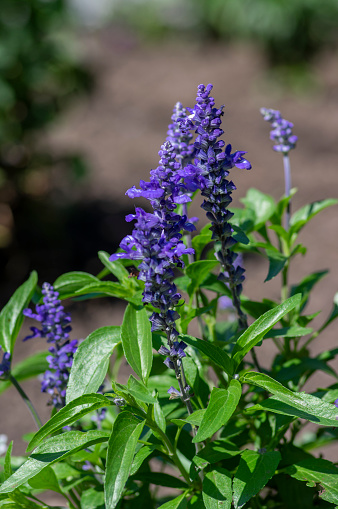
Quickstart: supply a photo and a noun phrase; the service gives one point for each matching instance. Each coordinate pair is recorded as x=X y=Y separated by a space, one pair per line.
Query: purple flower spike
x=156 y=238
x=55 y=323
x=214 y=163
x=336 y=403
x=5 y=365
x=281 y=132
x=55 y=326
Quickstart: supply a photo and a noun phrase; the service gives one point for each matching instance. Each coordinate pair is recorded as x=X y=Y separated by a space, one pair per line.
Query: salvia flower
x=156 y=240
x=214 y=162
x=281 y=132
x=55 y=323
x=175 y=394
x=179 y=139
x=55 y=326
x=5 y=365
x=176 y=353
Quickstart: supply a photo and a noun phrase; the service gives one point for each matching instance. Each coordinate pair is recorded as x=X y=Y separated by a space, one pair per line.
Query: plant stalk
x=26 y=400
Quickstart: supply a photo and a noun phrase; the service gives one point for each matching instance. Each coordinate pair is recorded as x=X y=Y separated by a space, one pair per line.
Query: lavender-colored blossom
x=176 y=353
x=213 y=162
x=156 y=240
x=336 y=403
x=180 y=140
x=55 y=326
x=175 y=394
x=281 y=132
x=5 y=365
x=55 y=323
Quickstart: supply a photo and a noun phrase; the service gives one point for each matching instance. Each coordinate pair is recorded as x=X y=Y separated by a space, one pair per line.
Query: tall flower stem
x=191 y=257
x=287 y=179
x=27 y=401
x=229 y=268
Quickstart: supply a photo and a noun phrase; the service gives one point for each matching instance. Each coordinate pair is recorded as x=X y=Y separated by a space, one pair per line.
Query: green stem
x=285 y=289
x=27 y=401
x=173 y=455
x=75 y=499
x=104 y=272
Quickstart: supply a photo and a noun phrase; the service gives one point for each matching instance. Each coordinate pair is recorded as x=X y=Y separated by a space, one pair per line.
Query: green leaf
x=196 y=417
x=92 y=499
x=116 y=268
x=199 y=242
x=244 y=218
x=295 y=331
x=139 y=391
x=45 y=480
x=260 y=327
x=214 y=353
x=11 y=316
x=262 y=204
x=91 y=362
x=105 y=288
x=223 y=403
x=276 y=263
x=159 y=417
x=179 y=502
x=239 y=235
x=160 y=479
x=140 y=456
x=317 y=470
x=213 y=452
x=53 y=450
x=302 y=216
x=286 y=402
x=28 y=368
x=254 y=471
x=217 y=492
x=198 y=271
x=68 y=284
x=69 y=414
x=7 y=466
x=121 y=449
x=137 y=340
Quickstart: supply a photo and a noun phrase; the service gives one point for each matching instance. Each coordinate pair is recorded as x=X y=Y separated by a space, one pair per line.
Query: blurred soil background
x=86 y=94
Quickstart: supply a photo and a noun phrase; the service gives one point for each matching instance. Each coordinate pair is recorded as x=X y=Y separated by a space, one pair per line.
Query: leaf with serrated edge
x=223 y=403
x=120 y=454
x=253 y=472
x=260 y=327
x=91 y=361
x=217 y=491
x=317 y=470
x=69 y=414
x=53 y=450
x=137 y=341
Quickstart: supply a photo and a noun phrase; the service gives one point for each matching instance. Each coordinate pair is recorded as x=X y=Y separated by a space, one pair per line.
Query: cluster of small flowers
x=156 y=240
x=55 y=326
x=281 y=132
x=213 y=164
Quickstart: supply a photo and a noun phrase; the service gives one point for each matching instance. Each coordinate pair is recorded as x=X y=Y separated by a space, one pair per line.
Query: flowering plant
x=201 y=413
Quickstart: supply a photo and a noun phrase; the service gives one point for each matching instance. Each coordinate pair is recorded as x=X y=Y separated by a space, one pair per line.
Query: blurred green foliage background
x=42 y=74
x=288 y=31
